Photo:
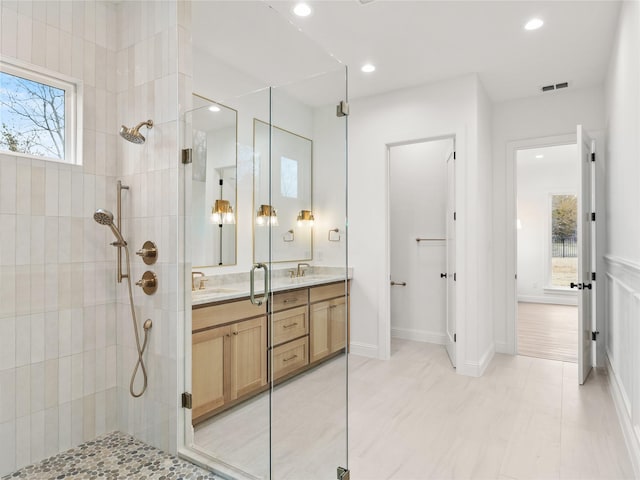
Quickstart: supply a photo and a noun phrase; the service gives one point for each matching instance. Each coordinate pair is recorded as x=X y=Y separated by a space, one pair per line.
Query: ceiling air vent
x=552 y=87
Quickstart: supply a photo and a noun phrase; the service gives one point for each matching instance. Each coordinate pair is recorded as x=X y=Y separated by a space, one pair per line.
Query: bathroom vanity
x=238 y=354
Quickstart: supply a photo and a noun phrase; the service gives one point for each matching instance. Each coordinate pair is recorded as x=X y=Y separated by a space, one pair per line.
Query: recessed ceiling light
x=533 y=24
x=213 y=108
x=302 y=10
x=539 y=156
x=368 y=68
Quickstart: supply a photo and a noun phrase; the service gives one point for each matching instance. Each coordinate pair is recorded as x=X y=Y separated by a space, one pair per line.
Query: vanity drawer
x=290 y=324
x=290 y=357
x=290 y=299
x=324 y=292
x=215 y=315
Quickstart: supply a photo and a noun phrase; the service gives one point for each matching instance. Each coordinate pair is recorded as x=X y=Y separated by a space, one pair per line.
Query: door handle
x=443 y=275
x=252 y=297
x=586 y=285
x=577 y=285
x=399 y=284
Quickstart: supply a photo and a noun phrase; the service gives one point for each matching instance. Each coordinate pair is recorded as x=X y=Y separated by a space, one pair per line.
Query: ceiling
x=413 y=42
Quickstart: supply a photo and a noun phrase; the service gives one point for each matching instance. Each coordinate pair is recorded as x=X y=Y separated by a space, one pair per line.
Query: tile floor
x=548 y=331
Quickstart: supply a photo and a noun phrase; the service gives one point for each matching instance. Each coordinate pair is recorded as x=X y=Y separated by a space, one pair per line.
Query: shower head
x=133 y=135
x=105 y=217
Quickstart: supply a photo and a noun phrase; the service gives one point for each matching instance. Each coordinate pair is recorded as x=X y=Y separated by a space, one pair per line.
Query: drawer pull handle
x=290 y=325
x=290 y=358
x=287 y=300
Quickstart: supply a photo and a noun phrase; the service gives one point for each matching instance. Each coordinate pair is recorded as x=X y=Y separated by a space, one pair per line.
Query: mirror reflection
x=282 y=194
x=214 y=143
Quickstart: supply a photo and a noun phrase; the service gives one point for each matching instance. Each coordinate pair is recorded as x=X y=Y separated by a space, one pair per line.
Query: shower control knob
x=148 y=282
x=148 y=252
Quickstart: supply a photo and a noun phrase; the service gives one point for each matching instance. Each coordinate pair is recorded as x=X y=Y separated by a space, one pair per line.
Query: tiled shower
x=66 y=342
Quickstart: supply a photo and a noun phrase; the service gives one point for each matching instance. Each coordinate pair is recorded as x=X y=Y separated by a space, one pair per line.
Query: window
x=564 y=244
x=288 y=177
x=40 y=114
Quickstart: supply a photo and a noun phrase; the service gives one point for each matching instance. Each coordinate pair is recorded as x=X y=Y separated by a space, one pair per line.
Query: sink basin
x=215 y=291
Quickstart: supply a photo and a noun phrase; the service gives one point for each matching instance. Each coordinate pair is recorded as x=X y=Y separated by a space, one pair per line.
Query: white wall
x=622 y=277
x=57 y=269
x=418 y=208
x=453 y=107
x=537 y=180
x=523 y=121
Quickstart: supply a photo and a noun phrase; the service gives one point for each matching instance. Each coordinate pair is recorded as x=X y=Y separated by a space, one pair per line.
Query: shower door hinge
x=593 y=216
x=187 y=400
x=187 y=156
x=593 y=157
x=343 y=473
x=594 y=335
x=342 y=109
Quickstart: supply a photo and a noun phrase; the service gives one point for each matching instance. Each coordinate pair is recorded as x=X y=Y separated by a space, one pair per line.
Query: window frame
x=73 y=106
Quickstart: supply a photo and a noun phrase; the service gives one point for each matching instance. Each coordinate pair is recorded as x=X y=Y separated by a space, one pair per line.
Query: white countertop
x=241 y=290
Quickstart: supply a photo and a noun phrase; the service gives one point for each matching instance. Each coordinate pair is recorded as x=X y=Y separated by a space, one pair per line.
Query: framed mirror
x=285 y=210
x=214 y=198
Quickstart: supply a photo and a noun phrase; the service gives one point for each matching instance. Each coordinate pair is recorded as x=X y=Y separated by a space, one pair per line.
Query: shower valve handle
x=148 y=252
x=148 y=282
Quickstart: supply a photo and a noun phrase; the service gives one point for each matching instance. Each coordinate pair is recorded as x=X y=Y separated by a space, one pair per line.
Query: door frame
x=384 y=332
x=510 y=228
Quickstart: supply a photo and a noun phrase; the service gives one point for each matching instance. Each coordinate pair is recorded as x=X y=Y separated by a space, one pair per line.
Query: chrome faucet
x=300 y=272
x=193 y=280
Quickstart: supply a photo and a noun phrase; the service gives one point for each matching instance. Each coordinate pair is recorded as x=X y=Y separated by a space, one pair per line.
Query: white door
x=449 y=274
x=417 y=207
x=584 y=285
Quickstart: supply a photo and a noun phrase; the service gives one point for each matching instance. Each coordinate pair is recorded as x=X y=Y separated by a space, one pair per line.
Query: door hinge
x=455 y=277
x=187 y=400
x=455 y=337
x=455 y=215
x=342 y=109
x=187 y=156
x=594 y=335
x=454 y=155
x=593 y=216
x=593 y=276
x=593 y=156
x=343 y=473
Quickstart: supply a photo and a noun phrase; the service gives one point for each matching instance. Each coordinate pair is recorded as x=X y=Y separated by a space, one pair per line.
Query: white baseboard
x=549 y=299
x=363 y=349
x=505 y=348
x=419 y=335
x=630 y=438
x=477 y=369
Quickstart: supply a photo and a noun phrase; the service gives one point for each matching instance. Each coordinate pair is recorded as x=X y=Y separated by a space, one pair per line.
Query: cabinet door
x=320 y=339
x=337 y=323
x=248 y=356
x=210 y=354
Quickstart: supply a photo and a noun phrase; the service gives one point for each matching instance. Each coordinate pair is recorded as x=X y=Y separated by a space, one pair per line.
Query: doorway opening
x=422 y=241
x=547 y=252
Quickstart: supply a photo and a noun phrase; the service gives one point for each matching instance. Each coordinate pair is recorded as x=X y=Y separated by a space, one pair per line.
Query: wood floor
x=414 y=418
x=548 y=331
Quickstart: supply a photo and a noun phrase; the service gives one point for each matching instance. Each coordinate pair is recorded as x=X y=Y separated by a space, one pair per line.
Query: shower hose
x=147 y=326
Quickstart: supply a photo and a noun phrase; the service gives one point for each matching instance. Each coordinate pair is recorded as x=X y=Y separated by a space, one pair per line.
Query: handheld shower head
x=105 y=217
x=133 y=135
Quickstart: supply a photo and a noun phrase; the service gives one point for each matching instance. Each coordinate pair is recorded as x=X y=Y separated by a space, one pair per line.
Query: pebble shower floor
x=113 y=456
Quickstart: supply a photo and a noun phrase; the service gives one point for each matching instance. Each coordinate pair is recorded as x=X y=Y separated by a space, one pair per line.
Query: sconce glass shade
x=267 y=215
x=222 y=213
x=305 y=218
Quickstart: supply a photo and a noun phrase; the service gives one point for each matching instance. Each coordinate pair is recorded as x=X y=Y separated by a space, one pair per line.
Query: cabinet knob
x=235 y=333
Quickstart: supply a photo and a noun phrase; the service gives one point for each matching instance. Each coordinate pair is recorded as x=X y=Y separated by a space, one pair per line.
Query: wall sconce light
x=267 y=215
x=305 y=218
x=222 y=213
x=290 y=236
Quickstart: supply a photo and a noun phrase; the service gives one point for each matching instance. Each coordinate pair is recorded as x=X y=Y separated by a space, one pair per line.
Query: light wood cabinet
x=231 y=353
x=229 y=362
x=327 y=322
